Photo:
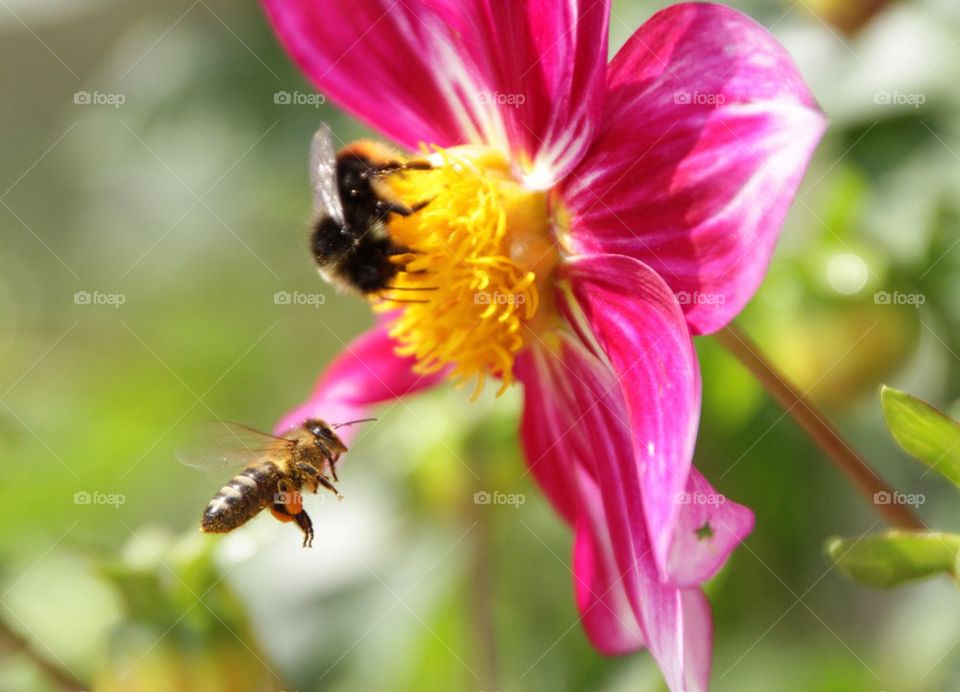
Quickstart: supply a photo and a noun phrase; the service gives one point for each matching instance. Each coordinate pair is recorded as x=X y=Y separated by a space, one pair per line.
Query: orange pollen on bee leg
x=483 y=263
x=294 y=503
x=280 y=516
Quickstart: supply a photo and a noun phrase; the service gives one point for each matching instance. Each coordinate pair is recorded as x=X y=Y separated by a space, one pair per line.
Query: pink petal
x=563 y=452
x=708 y=128
x=709 y=527
x=368 y=372
x=379 y=59
x=623 y=601
x=605 y=612
x=544 y=432
x=638 y=326
x=613 y=506
x=525 y=76
x=552 y=437
x=546 y=61
x=698 y=645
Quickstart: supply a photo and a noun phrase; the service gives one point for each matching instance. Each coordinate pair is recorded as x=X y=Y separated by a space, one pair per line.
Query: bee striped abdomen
x=241 y=499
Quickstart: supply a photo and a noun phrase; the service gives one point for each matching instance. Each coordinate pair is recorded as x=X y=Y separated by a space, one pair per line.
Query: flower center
x=475 y=287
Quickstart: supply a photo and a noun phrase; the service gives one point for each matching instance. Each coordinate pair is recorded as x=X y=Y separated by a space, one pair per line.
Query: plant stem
x=13 y=641
x=815 y=424
x=481 y=599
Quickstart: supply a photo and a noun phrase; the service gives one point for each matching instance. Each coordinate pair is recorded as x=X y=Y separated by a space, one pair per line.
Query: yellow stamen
x=483 y=249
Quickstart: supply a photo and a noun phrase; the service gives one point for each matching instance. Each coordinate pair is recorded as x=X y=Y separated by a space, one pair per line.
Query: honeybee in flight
x=349 y=241
x=277 y=471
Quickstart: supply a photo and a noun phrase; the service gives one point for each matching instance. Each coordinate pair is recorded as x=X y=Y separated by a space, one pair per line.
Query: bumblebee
x=277 y=471
x=349 y=240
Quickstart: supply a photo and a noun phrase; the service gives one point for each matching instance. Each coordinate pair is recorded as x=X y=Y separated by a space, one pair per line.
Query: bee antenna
x=360 y=420
x=412 y=288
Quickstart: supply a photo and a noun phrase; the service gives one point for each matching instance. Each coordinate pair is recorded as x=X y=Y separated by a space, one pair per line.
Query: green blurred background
x=188 y=202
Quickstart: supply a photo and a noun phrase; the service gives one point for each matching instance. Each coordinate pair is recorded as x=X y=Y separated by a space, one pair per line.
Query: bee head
x=324 y=436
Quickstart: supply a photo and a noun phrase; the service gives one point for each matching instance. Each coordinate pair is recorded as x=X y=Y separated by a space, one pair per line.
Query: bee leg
x=303 y=521
x=385 y=207
x=420 y=205
x=306 y=469
x=395 y=166
x=417 y=166
x=413 y=288
x=401 y=300
x=318 y=475
x=401 y=250
x=329 y=486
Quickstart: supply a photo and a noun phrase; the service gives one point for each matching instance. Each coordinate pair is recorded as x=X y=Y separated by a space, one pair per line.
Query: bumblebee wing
x=227 y=446
x=323 y=175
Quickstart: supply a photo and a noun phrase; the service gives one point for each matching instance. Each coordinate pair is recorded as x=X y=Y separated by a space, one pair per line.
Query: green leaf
x=923 y=431
x=889 y=559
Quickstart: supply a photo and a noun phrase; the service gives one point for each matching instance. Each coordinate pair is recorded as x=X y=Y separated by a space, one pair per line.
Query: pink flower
x=631 y=205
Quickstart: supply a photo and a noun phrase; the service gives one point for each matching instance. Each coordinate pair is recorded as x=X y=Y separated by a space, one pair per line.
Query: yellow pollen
x=478 y=279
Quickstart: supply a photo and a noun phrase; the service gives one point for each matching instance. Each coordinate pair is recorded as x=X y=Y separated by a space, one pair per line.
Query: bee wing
x=225 y=446
x=323 y=175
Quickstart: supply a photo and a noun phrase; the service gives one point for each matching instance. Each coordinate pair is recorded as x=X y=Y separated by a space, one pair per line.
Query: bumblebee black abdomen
x=330 y=241
x=369 y=268
x=241 y=499
x=354 y=248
